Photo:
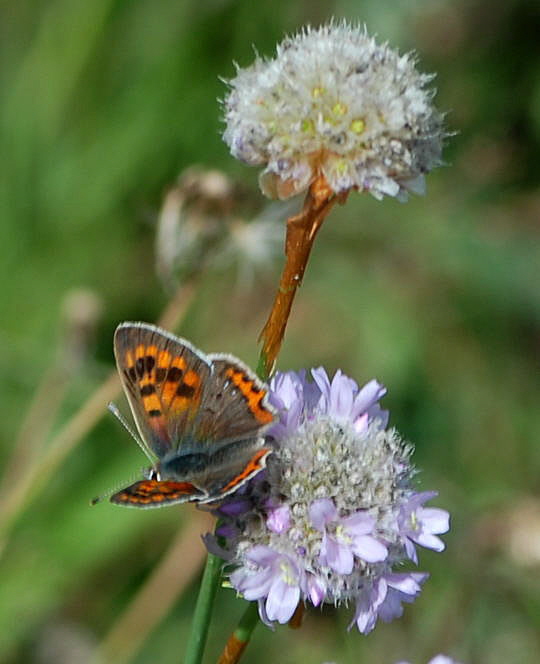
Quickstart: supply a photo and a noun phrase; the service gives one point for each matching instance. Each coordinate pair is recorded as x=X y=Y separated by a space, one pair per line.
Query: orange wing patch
x=162 y=380
x=141 y=371
x=254 y=466
x=174 y=376
x=252 y=394
x=153 y=493
x=182 y=389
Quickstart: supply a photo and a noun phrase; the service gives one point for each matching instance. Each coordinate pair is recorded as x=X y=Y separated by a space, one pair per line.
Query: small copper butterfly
x=201 y=418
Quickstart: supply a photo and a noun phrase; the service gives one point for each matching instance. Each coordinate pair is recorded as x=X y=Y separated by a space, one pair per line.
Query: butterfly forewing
x=163 y=378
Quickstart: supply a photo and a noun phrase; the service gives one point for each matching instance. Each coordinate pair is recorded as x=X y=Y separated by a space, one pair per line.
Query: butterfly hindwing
x=234 y=405
x=233 y=465
x=155 y=493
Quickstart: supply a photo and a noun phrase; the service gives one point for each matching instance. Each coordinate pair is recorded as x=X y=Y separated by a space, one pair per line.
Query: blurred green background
x=104 y=103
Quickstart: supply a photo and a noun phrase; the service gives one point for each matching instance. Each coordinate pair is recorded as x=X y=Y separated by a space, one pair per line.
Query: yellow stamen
x=340 y=166
x=286 y=574
x=339 y=109
x=342 y=536
x=358 y=126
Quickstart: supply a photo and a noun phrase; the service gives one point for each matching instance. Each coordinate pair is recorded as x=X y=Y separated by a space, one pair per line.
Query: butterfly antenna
x=114 y=410
x=110 y=492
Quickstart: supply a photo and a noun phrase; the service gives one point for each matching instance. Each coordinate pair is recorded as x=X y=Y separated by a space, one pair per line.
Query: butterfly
x=201 y=418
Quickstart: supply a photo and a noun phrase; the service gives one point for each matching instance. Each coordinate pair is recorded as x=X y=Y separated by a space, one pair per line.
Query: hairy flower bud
x=335 y=102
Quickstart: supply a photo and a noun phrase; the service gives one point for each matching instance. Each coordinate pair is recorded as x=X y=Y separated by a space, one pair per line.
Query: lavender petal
x=282 y=601
x=369 y=549
x=321 y=512
x=338 y=557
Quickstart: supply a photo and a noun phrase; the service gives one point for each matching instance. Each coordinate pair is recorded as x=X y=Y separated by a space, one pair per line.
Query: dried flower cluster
x=337 y=103
x=200 y=226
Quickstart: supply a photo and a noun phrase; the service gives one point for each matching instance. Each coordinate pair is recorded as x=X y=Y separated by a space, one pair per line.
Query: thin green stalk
x=207 y=592
x=203 y=610
x=247 y=623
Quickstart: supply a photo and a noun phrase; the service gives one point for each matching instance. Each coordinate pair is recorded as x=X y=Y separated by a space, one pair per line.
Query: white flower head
x=335 y=103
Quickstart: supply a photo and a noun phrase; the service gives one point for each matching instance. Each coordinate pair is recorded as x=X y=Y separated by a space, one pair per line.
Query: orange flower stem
x=301 y=231
x=238 y=640
x=298 y=616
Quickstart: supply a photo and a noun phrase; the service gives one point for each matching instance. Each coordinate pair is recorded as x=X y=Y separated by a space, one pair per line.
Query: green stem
x=261 y=367
x=239 y=639
x=247 y=623
x=203 y=610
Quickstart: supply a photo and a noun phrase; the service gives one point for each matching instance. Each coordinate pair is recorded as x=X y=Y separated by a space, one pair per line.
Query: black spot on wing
x=161 y=372
x=149 y=363
x=174 y=375
x=185 y=390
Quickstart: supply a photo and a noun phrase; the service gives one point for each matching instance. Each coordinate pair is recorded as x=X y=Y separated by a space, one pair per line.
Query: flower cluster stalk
x=301 y=232
x=239 y=639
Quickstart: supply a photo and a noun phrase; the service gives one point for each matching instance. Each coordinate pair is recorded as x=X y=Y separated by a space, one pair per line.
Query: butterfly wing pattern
x=202 y=417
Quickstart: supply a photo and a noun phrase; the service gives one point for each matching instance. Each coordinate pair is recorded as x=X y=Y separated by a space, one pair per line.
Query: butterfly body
x=202 y=417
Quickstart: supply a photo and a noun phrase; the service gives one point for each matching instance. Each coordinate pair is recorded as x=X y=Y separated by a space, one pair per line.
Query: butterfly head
x=152 y=473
